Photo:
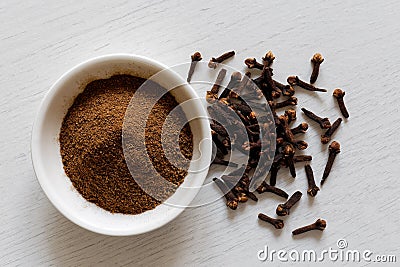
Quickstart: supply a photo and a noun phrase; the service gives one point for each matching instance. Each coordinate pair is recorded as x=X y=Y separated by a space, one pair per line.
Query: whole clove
x=264 y=187
x=275 y=167
x=243 y=84
x=324 y=123
x=316 y=60
x=284 y=209
x=291 y=115
x=301 y=128
x=196 y=57
x=291 y=101
x=231 y=199
x=334 y=149
x=288 y=154
x=300 y=144
x=318 y=225
x=268 y=58
x=274 y=173
x=277 y=223
x=252 y=63
x=213 y=63
x=284 y=123
x=235 y=79
x=218 y=143
x=212 y=95
x=312 y=187
x=326 y=137
x=339 y=95
x=295 y=80
x=267 y=75
x=287 y=90
x=302 y=158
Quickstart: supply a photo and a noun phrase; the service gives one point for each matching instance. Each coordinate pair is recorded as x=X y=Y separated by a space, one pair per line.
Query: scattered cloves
x=277 y=223
x=213 y=63
x=318 y=225
x=312 y=187
x=196 y=57
x=284 y=209
x=326 y=137
x=212 y=95
x=339 y=94
x=324 y=123
x=316 y=60
x=294 y=80
x=235 y=110
x=334 y=149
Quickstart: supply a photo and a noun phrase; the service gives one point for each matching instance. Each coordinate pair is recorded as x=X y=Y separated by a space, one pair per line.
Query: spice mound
x=92 y=148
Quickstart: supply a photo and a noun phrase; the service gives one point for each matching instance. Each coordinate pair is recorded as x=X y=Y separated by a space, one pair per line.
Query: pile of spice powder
x=92 y=150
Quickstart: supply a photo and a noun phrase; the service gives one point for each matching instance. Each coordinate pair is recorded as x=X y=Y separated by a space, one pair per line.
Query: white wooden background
x=360 y=40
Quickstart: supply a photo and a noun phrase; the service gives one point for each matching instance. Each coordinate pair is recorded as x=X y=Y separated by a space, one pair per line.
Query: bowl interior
x=46 y=148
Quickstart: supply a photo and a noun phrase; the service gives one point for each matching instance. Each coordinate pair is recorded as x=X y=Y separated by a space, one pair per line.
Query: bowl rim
x=35 y=147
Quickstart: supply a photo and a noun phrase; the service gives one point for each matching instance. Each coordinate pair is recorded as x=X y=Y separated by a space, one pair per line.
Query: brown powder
x=92 y=151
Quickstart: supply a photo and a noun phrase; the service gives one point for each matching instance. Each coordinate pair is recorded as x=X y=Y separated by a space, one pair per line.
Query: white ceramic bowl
x=46 y=156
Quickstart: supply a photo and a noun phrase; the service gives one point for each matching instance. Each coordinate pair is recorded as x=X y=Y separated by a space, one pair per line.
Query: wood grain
x=360 y=41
